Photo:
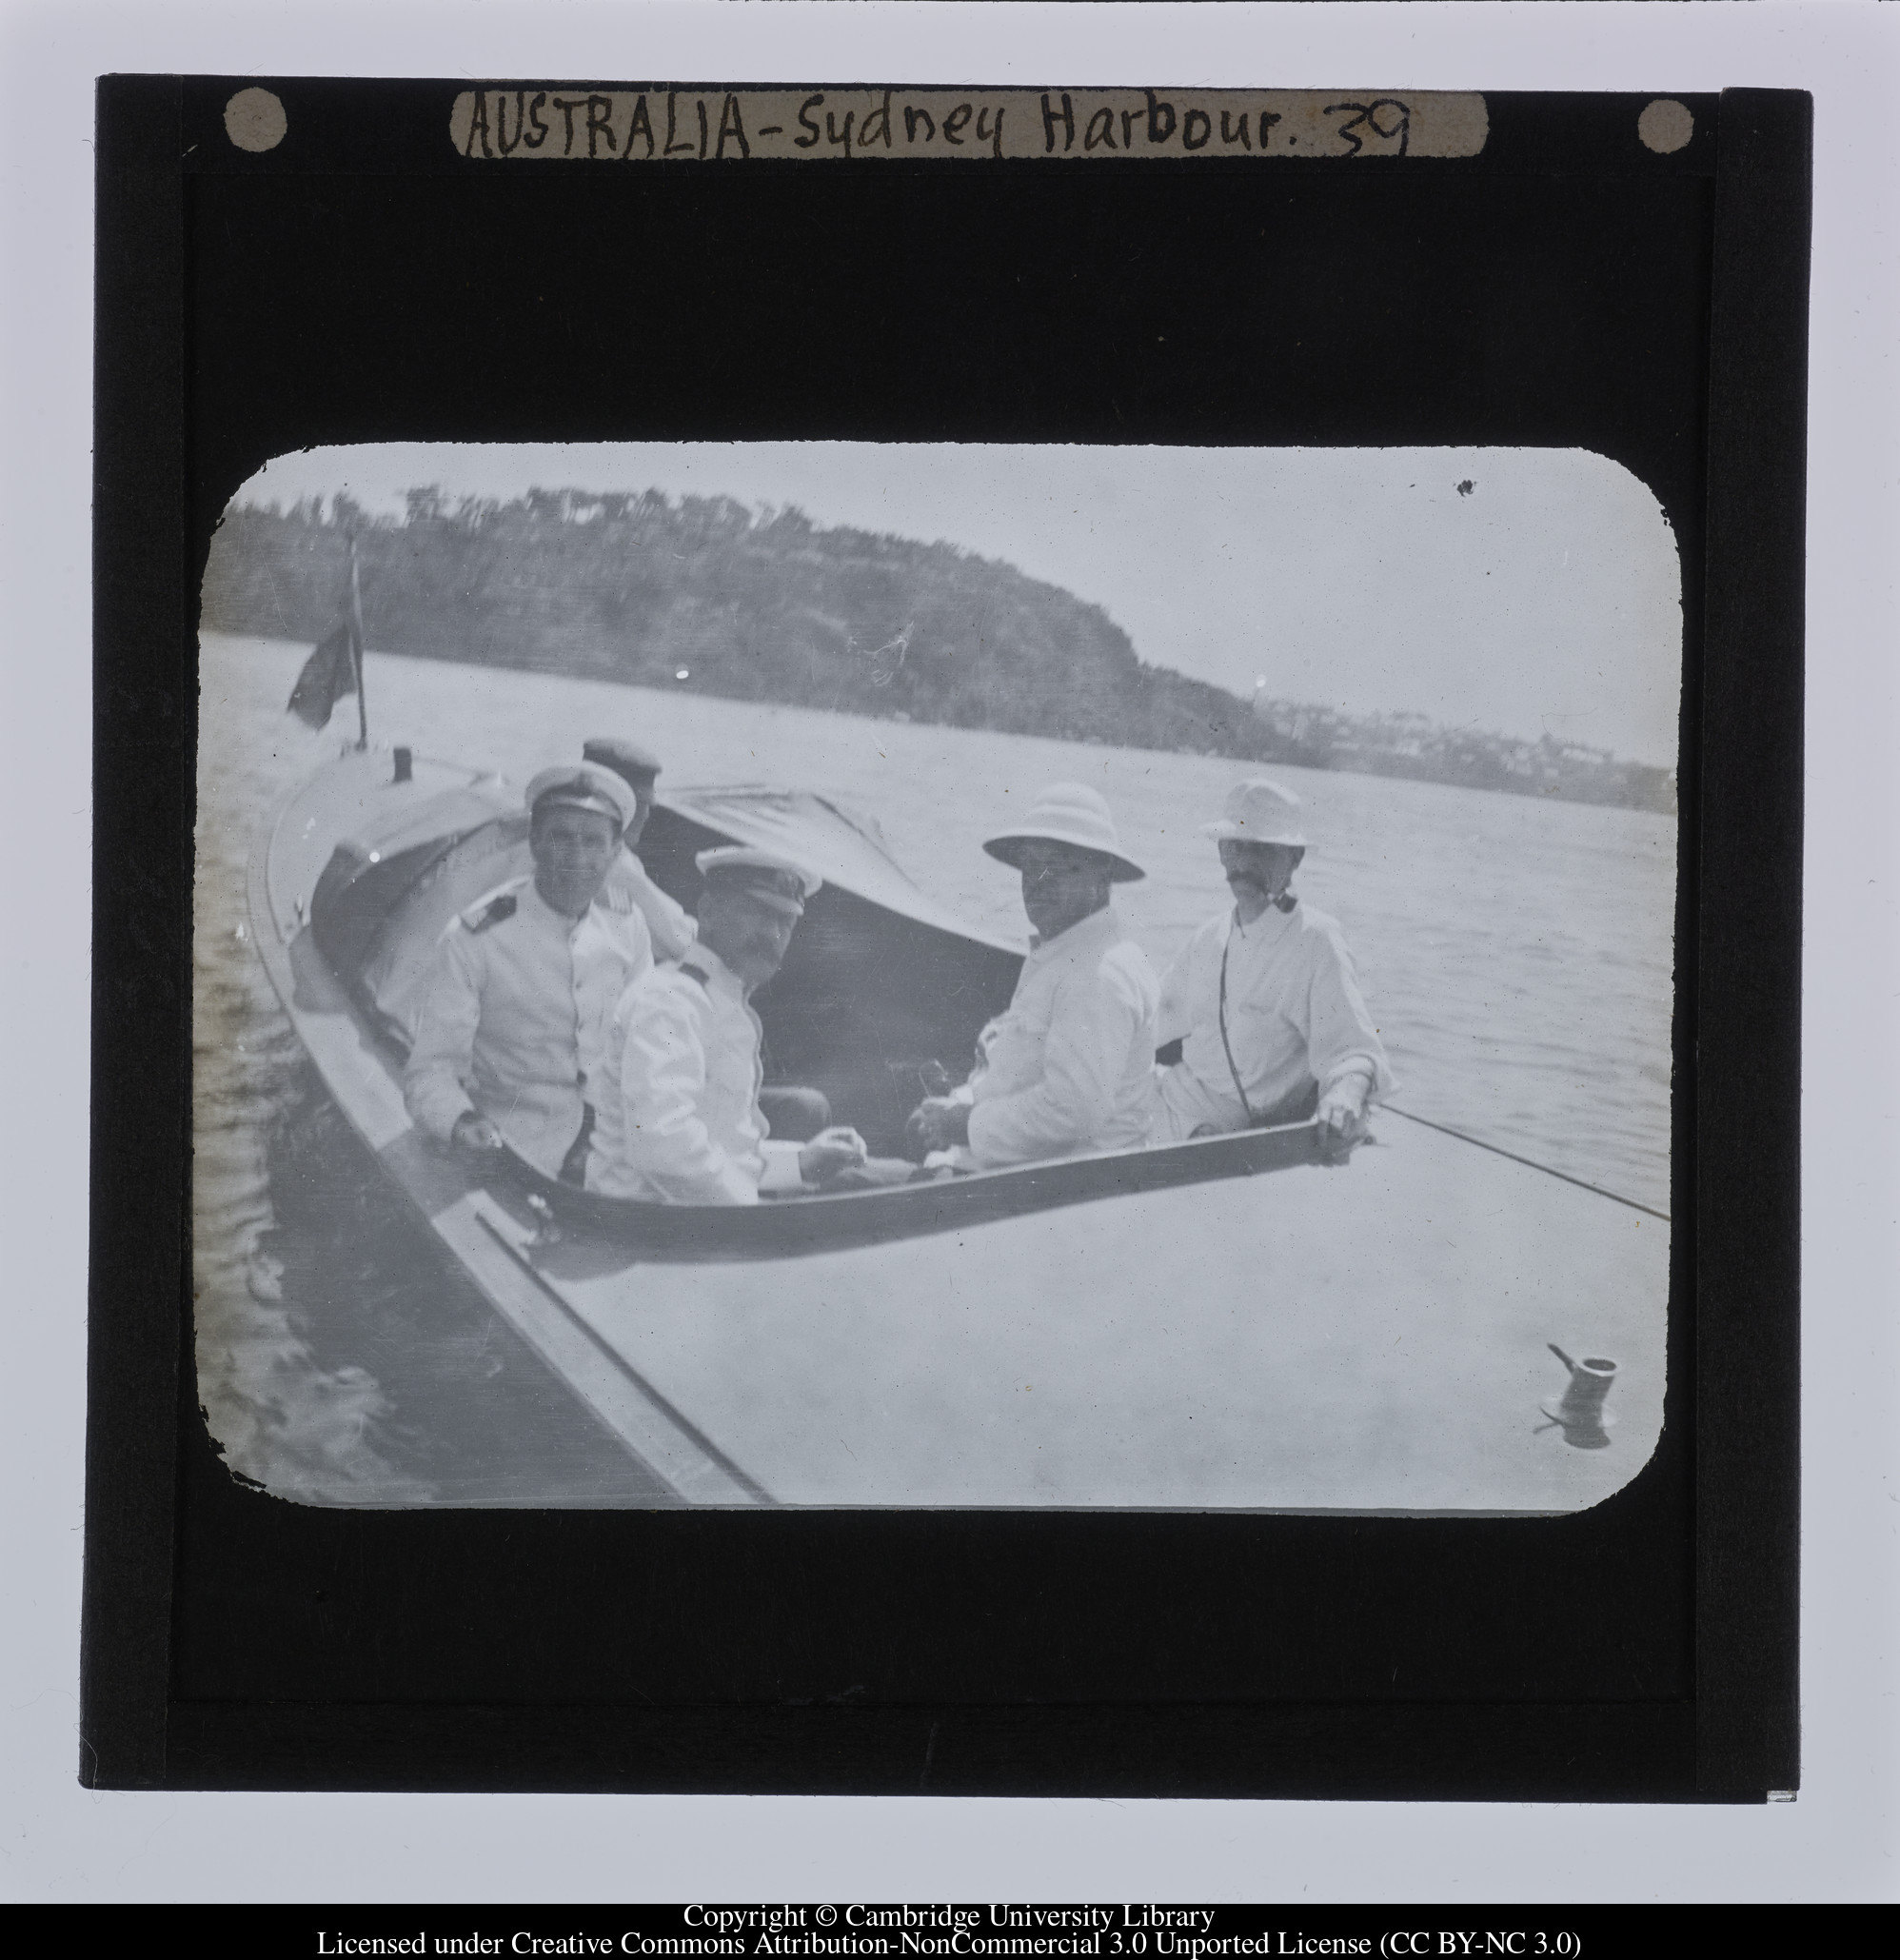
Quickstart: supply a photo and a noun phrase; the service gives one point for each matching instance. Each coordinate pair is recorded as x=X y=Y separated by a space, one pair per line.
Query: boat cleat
x=1579 y=1413
x=547 y=1229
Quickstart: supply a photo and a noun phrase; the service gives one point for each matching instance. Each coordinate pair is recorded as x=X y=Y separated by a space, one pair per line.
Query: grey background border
x=65 y=1843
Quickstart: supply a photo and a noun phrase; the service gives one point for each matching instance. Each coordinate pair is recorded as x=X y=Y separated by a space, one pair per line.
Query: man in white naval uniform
x=1264 y=998
x=523 y=983
x=1068 y=1067
x=679 y=1120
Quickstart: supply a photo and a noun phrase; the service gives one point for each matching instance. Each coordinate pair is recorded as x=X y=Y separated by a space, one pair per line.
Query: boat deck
x=1372 y=1338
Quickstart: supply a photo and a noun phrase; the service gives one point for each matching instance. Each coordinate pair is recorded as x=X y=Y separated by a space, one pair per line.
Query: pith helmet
x=1259 y=812
x=583 y=786
x=780 y=883
x=1069 y=813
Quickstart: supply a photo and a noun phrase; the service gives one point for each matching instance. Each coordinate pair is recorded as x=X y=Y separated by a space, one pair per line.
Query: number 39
x=1366 y=115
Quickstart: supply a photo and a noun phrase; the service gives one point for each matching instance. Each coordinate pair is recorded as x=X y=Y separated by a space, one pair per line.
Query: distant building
x=1405 y=743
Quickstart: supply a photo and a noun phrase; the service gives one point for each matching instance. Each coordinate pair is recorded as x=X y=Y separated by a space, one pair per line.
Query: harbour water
x=1517 y=952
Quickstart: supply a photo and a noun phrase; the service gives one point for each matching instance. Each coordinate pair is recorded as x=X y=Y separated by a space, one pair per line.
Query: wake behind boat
x=1223 y=1324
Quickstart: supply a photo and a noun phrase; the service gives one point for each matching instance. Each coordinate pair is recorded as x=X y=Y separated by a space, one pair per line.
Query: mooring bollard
x=1581 y=1413
x=404 y=760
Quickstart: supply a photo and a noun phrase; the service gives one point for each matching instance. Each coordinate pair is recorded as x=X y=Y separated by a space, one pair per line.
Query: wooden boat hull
x=1372 y=1338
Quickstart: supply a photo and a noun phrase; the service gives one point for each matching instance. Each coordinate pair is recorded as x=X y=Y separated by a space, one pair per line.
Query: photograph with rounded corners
x=956 y=976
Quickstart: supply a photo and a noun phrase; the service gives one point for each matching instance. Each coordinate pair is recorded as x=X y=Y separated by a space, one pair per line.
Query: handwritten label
x=874 y=125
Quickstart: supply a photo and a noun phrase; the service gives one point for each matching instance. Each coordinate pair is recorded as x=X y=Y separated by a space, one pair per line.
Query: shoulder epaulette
x=492 y=906
x=698 y=973
x=479 y=919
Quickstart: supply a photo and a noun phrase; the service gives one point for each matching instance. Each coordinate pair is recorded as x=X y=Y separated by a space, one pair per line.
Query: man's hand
x=839 y=1148
x=874 y=1173
x=1342 y=1117
x=475 y=1134
x=939 y=1122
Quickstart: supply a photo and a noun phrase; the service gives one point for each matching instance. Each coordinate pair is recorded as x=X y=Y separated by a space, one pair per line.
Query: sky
x=1528 y=592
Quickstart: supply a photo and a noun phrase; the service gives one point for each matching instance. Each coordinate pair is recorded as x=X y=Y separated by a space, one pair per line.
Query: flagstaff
x=356 y=642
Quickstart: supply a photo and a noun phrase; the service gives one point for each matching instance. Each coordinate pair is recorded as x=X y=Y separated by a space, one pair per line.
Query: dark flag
x=328 y=675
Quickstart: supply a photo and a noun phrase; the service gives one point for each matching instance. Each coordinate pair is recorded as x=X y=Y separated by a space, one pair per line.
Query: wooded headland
x=765 y=605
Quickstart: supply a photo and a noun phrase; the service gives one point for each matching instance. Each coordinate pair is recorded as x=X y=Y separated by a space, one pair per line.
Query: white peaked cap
x=1069 y=813
x=583 y=786
x=1259 y=812
x=781 y=884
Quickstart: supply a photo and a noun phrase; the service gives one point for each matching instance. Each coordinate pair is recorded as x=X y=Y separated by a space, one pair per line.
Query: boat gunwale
x=801 y=1224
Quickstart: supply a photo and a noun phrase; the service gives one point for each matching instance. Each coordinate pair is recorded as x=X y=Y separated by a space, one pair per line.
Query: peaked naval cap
x=1068 y=813
x=638 y=766
x=780 y=884
x=583 y=786
x=1259 y=812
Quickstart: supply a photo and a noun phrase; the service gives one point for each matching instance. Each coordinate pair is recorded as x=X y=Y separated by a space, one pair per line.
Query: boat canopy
x=845 y=846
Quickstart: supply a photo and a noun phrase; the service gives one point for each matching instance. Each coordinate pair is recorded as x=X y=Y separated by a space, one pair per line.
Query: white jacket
x=679 y=1119
x=1068 y=1067
x=1295 y=1016
x=514 y=1015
